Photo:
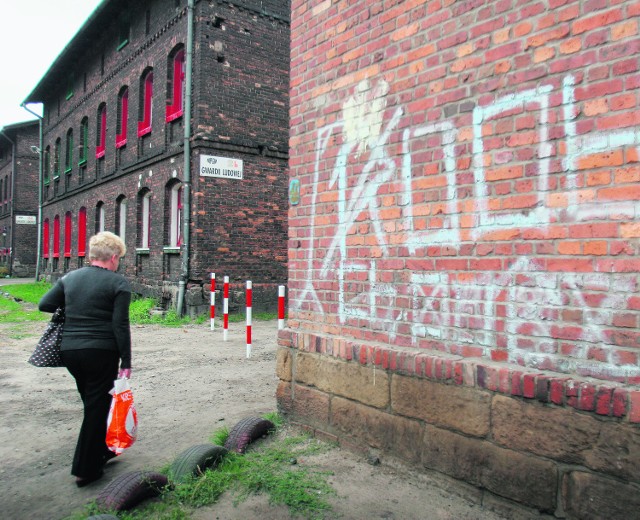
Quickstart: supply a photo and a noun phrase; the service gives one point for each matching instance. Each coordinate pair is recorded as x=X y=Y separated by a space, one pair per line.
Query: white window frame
x=146 y=220
x=175 y=234
x=122 y=224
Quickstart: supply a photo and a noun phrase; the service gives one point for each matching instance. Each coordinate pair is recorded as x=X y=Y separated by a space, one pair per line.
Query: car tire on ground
x=129 y=489
x=247 y=431
x=196 y=460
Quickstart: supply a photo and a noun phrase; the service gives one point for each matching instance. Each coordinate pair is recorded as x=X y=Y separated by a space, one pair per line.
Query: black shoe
x=82 y=482
x=108 y=456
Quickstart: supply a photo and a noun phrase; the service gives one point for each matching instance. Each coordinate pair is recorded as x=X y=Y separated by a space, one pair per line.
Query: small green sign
x=294 y=192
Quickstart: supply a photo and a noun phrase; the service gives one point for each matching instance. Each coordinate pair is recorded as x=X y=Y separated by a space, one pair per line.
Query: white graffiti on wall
x=438 y=306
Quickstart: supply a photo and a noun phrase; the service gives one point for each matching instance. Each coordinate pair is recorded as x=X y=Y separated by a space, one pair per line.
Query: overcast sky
x=32 y=34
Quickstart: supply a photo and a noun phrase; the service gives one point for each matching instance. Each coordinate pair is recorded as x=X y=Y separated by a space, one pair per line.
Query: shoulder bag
x=47 y=352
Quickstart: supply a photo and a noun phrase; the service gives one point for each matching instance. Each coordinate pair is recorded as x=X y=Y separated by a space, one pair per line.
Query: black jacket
x=96 y=303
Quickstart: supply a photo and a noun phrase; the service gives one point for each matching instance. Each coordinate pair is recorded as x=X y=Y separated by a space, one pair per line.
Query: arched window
x=67 y=234
x=56 y=236
x=146 y=103
x=45 y=238
x=46 y=164
x=144 y=218
x=175 y=84
x=174 y=194
x=82 y=231
x=101 y=135
x=56 y=159
x=84 y=140
x=100 y=217
x=121 y=216
x=68 y=156
x=123 y=115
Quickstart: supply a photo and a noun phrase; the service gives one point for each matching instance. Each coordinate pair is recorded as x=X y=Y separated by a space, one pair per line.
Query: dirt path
x=187 y=383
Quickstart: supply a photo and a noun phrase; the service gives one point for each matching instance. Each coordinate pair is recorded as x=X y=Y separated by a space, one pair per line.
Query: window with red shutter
x=144 y=124
x=82 y=231
x=45 y=238
x=175 y=103
x=67 y=234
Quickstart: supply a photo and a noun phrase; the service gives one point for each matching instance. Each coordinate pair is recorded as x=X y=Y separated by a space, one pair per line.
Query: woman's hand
x=124 y=373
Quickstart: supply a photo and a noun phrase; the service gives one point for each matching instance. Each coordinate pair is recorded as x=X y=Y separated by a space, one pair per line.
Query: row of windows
x=174 y=110
x=173 y=235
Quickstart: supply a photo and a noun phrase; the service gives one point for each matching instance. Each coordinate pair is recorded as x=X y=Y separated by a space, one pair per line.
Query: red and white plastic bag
x=122 y=424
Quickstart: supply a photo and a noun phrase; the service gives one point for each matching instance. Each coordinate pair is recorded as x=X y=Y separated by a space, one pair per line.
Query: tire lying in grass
x=247 y=431
x=129 y=489
x=195 y=461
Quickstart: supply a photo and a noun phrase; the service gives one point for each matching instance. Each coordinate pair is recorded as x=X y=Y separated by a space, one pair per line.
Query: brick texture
x=467 y=223
x=19 y=198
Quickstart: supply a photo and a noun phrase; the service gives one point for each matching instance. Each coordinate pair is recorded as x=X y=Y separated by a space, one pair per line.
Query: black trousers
x=94 y=371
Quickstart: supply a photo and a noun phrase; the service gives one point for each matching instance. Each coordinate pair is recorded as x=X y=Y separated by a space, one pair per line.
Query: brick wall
x=238 y=227
x=19 y=210
x=467 y=231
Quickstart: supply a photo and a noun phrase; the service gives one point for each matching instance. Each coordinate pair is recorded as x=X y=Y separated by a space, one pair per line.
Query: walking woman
x=96 y=344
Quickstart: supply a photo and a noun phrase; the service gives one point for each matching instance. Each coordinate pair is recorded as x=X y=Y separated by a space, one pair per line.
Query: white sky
x=33 y=34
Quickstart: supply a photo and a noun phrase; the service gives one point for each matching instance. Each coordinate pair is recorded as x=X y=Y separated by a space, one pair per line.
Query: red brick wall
x=18 y=249
x=469 y=176
x=468 y=225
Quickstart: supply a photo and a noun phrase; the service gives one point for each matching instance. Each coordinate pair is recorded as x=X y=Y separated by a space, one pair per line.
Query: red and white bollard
x=280 y=307
x=249 y=304
x=212 y=308
x=225 y=308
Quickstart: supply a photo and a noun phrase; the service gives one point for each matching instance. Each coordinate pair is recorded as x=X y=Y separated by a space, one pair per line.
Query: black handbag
x=47 y=352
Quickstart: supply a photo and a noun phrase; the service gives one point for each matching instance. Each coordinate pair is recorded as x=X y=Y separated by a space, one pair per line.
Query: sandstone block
x=506 y=473
x=592 y=497
x=460 y=408
x=562 y=434
x=283 y=363
x=348 y=379
x=396 y=435
x=311 y=405
x=558 y=433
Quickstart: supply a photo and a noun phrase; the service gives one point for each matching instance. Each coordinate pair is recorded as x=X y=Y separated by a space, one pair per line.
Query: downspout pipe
x=39 y=223
x=186 y=207
x=13 y=192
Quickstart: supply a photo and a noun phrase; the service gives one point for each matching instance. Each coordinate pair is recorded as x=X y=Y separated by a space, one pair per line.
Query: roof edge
x=35 y=95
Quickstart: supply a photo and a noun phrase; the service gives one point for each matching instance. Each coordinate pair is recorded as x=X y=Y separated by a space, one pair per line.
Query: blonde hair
x=104 y=245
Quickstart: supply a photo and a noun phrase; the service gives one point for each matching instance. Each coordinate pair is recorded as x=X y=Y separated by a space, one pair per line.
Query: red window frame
x=175 y=108
x=67 y=234
x=56 y=237
x=121 y=137
x=45 y=238
x=82 y=231
x=144 y=126
x=102 y=133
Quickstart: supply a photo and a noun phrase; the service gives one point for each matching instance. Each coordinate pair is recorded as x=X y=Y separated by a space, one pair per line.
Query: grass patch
x=12 y=311
x=28 y=292
x=270 y=467
x=140 y=310
x=240 y=317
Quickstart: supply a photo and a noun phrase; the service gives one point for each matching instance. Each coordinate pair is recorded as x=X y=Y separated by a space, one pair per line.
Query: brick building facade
x=19 y=199
x=464 y=242
x=116 y=102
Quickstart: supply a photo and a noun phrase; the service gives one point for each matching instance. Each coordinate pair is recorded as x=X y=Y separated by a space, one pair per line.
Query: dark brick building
x=116 y=104
x=18 y=199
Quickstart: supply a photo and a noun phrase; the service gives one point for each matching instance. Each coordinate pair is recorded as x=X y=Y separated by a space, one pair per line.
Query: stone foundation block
x=347 y=379
x=506 y=473
x=592 y=497
x=459 y=408
x=398 y=436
